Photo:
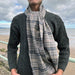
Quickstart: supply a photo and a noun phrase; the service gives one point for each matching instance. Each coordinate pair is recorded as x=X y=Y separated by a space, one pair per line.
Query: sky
x=64 y=8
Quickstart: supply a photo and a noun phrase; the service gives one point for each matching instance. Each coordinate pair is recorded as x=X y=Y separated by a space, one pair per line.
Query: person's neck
x=35 y=7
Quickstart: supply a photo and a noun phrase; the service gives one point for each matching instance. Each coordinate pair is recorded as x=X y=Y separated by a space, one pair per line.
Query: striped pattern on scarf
x=42 y=47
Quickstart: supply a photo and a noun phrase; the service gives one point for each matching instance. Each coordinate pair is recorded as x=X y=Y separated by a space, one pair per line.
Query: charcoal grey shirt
x=18 y=34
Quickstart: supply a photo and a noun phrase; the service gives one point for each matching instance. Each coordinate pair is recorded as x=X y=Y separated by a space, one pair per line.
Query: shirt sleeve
x=63 y=44
x=12 y=44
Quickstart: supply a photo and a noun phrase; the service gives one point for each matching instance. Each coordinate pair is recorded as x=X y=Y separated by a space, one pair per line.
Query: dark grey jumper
x=18 y=35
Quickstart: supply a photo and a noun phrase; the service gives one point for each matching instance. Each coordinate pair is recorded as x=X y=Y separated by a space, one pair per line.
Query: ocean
x=71 y=36
x=70 y=33
x=4 y=31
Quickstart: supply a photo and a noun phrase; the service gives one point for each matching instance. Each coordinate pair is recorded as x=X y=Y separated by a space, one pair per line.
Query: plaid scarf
x=42 y=47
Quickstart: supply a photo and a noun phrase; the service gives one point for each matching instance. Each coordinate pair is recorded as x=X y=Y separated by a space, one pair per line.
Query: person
x=18 y=34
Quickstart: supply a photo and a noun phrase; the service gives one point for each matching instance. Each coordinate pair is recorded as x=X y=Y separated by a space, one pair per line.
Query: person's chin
x=33 y=3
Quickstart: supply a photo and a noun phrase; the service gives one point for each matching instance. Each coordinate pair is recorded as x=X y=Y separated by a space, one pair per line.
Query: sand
x=70 y=69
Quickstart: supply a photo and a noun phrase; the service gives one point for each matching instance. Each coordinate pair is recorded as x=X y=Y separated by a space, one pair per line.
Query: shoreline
x=6 y=39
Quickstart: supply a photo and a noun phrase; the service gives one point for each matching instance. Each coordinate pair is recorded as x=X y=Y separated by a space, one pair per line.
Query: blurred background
x=10 y=8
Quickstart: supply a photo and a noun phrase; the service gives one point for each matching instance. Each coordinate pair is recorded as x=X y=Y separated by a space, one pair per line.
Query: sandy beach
x=70 y=69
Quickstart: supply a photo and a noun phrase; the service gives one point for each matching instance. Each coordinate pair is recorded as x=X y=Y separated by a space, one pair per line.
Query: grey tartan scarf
x=42 y=47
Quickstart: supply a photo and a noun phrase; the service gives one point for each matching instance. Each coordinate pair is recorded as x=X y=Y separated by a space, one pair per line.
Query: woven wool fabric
x=42 y=47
